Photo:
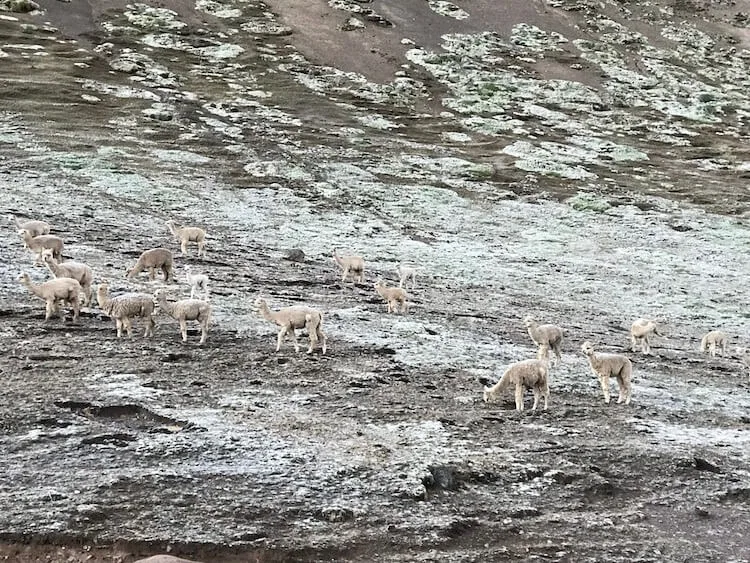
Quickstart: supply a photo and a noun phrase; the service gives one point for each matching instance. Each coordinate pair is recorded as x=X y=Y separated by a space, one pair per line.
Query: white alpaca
x=394 y=296
x=526 y=374
x=640 y=332
x=186 y=310
x=405 y=273
x=64 y=290
x=292 y=318
x=545 y=337
x=351 y=264
x=197 y=282
x=712 y=340
x=606 y=365
x=185 y=235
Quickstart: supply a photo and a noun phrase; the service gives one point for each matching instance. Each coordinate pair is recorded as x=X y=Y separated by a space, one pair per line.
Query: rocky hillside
x=582 y=162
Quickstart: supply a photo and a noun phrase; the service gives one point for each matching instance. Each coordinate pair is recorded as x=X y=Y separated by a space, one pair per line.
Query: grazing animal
x=184 y=235
x=394 y=296
x=151 y=260
x=640 y=332
x=186 y=310
x=123 y=308
x=76 y=270
x=605 y=366
x=42 y=242
x=35 y=228
x=404 y=273
x=197 y=282
x=545 y=337
x=64 y=290
x=713 y=340
x=526 y=374
x=351 y=264
x=292 y=318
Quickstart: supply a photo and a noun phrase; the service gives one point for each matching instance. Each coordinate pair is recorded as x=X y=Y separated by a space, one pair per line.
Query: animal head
x=48 y=254
x=23 y=232
x=378 y=284
x=587 y=348
x=259 y=302
x=23 y=276
x=528 y=320
x=487 y=395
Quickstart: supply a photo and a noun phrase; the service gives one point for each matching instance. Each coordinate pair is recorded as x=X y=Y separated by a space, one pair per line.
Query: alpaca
x=545 y=337
x=404 y=273
x=151 y=260
x=197 y=282
x=35 y=228
x=123 y=308
x=526 y=374
x=66 y=290
x=640 y=331
x=42 y=242
x=184 y=235
x=712 y=340
x=393 y=296
x=606 y=365
x=186 y=310
x=292 y=318
x=353 y=264
x=76 y=270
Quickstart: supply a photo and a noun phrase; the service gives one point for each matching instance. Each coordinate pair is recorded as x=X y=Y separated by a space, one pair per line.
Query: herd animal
x=73 y=279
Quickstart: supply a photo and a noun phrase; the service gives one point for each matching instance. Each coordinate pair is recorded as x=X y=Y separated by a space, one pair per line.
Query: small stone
x=295 y=255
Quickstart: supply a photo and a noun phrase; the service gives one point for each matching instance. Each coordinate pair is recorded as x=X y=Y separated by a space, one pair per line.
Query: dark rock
x=295 y=255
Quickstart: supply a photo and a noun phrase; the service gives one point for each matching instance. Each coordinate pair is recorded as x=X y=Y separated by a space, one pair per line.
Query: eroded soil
x=518 y=170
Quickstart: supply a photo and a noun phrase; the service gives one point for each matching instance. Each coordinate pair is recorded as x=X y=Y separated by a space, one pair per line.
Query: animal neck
x=164 y=304
x=266 y=312
x=33 y=288
x=101 y=297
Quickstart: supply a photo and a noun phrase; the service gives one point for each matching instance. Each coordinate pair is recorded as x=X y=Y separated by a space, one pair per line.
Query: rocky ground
x=582 y=162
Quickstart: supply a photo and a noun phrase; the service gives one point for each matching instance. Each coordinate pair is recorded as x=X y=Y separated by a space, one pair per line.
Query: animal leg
x=76 y=307
x=519 y=397
x=204 y=332
x=192 y=291
x=183 y=329
x=633 y=343
x=128 y=326
x=280 y=338
x=202 y=248
x=183 y=246
x=646 y=345
x=118 y=324
x=556 y=349
x=712 y=349
x=293 y=332
x=313 y=339
x=604 y=381
x=536 y=398
x=149 y=326
x=346 y=273
x=48 y=310
x=322 y=338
